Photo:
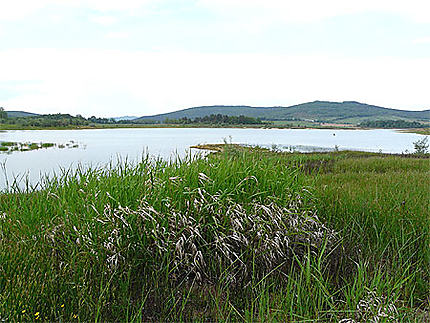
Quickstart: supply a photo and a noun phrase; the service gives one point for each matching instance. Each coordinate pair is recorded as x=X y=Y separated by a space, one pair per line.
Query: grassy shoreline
x=420 y=131
x=244 y=234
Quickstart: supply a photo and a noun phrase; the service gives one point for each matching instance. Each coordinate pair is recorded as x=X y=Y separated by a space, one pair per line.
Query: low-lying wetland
x=9 y=147
x=239 y=235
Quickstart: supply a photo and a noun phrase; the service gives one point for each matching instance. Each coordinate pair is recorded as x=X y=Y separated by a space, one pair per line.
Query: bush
x=421 y=146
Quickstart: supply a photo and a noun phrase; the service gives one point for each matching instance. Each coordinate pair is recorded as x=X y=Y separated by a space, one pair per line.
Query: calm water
x=99 y=147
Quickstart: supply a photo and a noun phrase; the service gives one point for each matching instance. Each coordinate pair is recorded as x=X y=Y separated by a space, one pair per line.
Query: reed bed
x=241 y=235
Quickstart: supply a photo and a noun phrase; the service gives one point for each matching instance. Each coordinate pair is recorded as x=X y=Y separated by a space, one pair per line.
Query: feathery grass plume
x=373 y=308
x=212 y=233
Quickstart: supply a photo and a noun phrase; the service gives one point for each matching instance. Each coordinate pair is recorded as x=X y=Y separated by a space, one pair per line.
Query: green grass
x=382 y=207
x=47 y=145
x=8 y=144
x=245 y=234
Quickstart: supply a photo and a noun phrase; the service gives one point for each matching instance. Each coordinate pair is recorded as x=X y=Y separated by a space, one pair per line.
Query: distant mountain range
x=323 y=111
x=337 y=112
x=124 y=118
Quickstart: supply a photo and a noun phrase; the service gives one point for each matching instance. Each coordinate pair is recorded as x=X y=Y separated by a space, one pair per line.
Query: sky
x=142 y=57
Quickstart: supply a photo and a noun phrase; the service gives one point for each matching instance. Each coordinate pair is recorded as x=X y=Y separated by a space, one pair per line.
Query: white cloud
x=423 y=40
x=312 y=10
x=254 y=10
x=104 y=20
x=109 y=5
x=117 y=35
x=19 y=9
x=104 y=82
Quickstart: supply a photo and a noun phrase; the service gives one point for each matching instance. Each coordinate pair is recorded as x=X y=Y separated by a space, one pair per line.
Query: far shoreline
x=421 y=131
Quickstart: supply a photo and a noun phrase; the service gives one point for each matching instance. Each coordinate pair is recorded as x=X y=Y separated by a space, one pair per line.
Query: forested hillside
x=341 y=112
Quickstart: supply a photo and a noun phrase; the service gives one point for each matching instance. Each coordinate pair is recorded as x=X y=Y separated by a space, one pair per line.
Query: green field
x=244 y=234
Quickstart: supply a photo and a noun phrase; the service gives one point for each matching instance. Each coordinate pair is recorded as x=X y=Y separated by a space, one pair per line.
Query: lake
x=98 y=147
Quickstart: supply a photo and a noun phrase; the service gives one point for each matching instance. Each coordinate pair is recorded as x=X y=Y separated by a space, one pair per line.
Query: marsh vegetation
x=9 y=146
x=243 y=234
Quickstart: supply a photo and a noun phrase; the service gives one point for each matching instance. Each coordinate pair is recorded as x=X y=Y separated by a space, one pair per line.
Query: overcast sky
x=141 y=57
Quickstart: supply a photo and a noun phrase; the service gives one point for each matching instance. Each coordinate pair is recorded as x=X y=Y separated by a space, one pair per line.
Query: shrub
x=421 y=146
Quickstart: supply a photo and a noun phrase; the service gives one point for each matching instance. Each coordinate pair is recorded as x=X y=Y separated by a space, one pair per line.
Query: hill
x=20 y=114
x=339 y=112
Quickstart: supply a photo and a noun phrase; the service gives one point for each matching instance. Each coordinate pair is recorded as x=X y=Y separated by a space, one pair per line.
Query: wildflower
x=37 y=314
x=23 y=311
x=62 y=305
x=75 y=316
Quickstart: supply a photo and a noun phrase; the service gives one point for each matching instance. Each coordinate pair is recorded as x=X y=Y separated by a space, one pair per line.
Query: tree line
x=46 y=120
x=57 y=120
x=391 y=124
x=215 y=119
x=60 y=120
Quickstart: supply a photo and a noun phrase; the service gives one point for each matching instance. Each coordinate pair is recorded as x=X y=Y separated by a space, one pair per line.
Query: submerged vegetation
x=243 y=234
x=9 y=147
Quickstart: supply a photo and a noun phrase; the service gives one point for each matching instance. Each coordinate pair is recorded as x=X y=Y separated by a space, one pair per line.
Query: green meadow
x=244 y=234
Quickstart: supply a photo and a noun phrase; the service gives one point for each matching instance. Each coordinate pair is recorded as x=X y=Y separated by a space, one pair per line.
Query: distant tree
x=216 y=119
x=3 y=114
x=391 y=124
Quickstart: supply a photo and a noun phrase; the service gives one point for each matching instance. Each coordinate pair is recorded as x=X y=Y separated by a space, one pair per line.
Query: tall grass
x=242 y=235
x=382 y=207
